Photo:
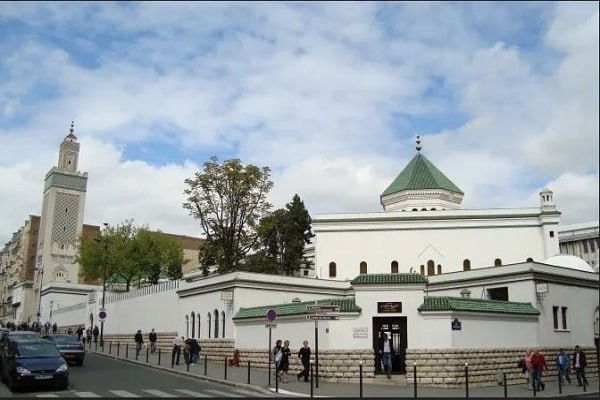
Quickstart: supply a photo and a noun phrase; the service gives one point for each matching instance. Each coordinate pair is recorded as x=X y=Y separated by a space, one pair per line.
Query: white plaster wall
x=255 y=335
x=413 y=247
x=504 y=331
x=519 y=291
x=60 y=300
x=434 y=333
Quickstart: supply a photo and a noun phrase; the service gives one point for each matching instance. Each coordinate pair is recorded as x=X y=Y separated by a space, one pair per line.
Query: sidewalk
x=259 y=381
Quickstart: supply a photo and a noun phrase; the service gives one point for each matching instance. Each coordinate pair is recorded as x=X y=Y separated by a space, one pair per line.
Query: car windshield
x=22 y=335
x=63 y=339
x=36 y=349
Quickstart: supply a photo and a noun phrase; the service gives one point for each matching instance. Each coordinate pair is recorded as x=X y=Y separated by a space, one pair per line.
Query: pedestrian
x=579 y=364
x=285 y=361
x=152 y=339
x=194 y=351
x=529 y=369
x=177 y=344
x=88 y=334
x=54 y=328
x=79 y=333
x=304 y=355
x=234 y=361
x=96 y=332
x=563 y=364
x=386 y=349
x=539 y=366
x=276 y=353
x=47 y=328
x=187 y=351
x=139 y=342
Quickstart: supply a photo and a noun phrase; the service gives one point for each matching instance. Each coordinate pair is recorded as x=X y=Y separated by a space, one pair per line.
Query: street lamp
x=104 y=258
x=41 y=278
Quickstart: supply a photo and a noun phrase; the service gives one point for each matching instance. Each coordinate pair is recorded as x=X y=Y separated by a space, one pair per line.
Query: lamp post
x=41 y=277
x=105 y=240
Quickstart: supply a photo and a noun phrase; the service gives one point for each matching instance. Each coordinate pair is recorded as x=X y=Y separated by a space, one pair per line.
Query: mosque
x=450 y=285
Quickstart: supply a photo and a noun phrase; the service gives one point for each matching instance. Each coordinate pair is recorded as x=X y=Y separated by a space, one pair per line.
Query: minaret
x=62 y=217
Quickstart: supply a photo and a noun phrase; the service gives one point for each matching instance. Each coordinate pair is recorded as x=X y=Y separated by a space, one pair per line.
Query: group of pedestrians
x=281 y=357
x=534 y=365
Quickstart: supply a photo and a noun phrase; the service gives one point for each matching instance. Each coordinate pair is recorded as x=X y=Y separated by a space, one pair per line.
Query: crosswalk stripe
x=86 y=394
x=221 y=394
x=191 y=393
x=47 y=395
x=123 y=393
x=158 y=393
x=247 y=393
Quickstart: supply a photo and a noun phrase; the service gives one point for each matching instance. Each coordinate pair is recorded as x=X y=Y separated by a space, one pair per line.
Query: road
x=105 y=377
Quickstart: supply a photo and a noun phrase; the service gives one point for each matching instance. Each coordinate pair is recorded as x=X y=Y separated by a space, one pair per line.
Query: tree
x=284 y=234
x=229 y=200
x=128 y=253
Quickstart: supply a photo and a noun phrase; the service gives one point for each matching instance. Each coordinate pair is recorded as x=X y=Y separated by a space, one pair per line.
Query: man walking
x=139 y=342
x=539 y=366
x=579 y=364
x=152 y=339
x=386 y=348
x=304 y=355
x=176 y=353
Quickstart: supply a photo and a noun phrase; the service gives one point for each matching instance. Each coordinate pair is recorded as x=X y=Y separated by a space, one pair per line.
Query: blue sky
x=329 y=95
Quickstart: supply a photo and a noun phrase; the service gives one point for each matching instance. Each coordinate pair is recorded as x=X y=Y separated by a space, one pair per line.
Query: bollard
x=225 y=374
x=360 y=383
x=96 y=347
x=205 y=363
x=109 y=347
x=159 y=356
x=467 y=380
x=312 y=362
x=504 y=383
x=248 y=372
x=118 y=348
x=102 y=345
x=584 y=381
x=276 y=381
x=126 y=350
x=187 y=366
x=146 y=354
x=415 y=379
x=559 y=382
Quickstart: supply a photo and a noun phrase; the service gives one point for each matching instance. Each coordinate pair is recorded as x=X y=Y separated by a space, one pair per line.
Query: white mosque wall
x=484 y=331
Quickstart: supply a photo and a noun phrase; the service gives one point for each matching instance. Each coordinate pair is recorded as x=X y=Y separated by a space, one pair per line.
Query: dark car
x=29 y=363
x=70 y=348
x=14 y=335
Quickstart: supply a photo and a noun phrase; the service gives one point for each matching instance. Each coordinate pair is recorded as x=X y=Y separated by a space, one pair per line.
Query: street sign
x=102 y=315
x=271 y=315
x=321 y=317
x=322 y=308
x=268 y=325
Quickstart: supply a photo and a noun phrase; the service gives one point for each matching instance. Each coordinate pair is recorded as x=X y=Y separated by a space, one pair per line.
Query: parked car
x=29 y=363
x=70 y=348
x=15 y=335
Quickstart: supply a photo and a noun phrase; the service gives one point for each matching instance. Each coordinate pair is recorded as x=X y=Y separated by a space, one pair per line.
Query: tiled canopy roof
x=420 y=173
x=389 y=279
x=435 y=303
x=287 y=309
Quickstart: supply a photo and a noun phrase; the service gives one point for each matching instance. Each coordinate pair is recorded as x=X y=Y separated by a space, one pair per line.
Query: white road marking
x=192 y=393
x=123 y=393
x=158 y=393
x=47 y=395
x=221 y=394
x=86 y=394
x=249 y=393
x=287 y=392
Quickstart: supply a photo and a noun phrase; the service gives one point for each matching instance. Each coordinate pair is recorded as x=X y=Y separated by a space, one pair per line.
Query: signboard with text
x=322 y=317
x=389 y=307
x=322 y=308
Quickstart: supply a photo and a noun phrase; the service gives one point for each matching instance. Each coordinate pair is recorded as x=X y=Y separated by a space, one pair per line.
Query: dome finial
x=72 y=129
x=419 y=144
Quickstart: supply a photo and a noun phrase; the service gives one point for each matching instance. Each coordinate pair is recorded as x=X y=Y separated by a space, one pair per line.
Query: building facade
x=581 y=240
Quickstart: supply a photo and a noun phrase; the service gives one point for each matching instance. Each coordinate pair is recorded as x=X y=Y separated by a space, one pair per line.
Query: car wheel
x=2 y=378
x=12 y=385
x=64 y=385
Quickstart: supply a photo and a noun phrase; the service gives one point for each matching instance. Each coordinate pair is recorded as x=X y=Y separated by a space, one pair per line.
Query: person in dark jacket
x=579 y=364
x=139 y=342
x=194 y=351
x=96 y=332
x=304 y=355
x=152 y=338
x=386 y=349
x=539 y=366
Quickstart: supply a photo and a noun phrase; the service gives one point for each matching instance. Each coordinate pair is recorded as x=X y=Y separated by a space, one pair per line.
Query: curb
x=187 y=374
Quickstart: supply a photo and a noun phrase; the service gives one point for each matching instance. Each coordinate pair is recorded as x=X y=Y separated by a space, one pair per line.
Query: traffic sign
x=271 y=315
x=322 y=308
x=320 y=317
x=269 y=325
x=102 y=315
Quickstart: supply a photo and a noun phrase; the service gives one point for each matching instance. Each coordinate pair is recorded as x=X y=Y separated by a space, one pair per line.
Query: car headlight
x=23 y=371
x=62 y=368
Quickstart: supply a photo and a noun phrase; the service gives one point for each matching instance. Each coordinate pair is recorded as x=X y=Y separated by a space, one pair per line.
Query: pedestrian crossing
x=234 y=392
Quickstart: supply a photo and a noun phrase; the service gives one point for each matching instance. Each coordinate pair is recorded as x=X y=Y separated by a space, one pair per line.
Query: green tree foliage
x=126 y=253
x=283 y=236
x=228 y=200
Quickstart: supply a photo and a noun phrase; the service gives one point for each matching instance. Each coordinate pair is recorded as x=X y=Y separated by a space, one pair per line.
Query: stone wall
x=446 y=367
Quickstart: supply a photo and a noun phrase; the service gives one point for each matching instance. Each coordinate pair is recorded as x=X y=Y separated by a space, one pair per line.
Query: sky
x=329 y=95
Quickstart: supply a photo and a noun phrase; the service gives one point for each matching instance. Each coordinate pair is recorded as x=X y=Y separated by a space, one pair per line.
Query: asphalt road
x=105 y=377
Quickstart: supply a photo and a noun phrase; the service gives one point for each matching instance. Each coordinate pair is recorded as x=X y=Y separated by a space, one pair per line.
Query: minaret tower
x=62 y=217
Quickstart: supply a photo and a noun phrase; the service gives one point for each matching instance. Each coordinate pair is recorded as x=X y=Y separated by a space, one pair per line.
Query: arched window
x=332 y=270
x=466 y=264
x=187 y=326
x=415 y=209
x=223 y=324
x=422 y=269
x=193 y=324
x=439 y=269
x=423 y=209
x=363 y=267
x=529 y=259
x=198 y=318
x=497 y=262
x=394 y=267
x=430 y=267
x=216 y=323
x=209 y=322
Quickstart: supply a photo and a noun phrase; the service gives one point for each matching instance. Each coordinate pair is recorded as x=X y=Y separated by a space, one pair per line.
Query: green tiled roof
x=389 y=279
x=287 y=309
x=477 y=305
x=420 y=173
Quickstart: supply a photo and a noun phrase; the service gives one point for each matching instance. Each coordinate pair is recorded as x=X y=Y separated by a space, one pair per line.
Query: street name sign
x=322 y=317
x=322 y=308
